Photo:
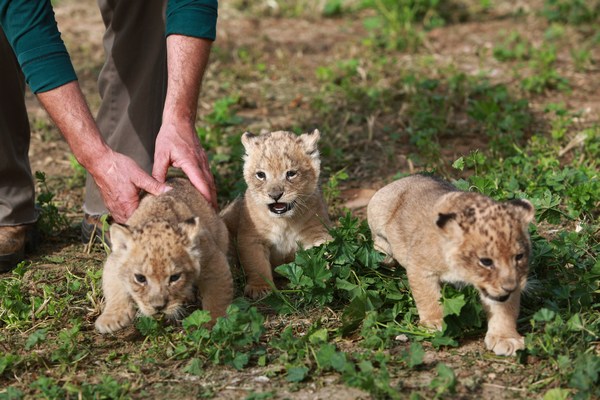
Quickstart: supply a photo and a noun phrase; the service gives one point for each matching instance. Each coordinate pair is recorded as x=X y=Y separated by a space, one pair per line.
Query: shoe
x=93 y=229
x=15 y=241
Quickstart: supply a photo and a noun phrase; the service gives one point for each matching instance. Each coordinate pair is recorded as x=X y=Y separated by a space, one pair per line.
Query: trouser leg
x=132 y=84
x=16 y=182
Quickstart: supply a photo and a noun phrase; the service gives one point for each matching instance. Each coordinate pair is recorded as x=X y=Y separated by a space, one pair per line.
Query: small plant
x=545 y=76
x=513 y=47
x=79 y=173
x=573 y=12
x=50 y=221
x=398 y=24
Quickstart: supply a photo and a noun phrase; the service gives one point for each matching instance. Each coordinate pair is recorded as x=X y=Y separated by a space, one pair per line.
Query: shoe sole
x=8 y=262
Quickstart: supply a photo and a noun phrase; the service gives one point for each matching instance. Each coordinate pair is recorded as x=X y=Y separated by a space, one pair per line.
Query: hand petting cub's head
x=281 y=169
x=158 y=264
x=487 y=242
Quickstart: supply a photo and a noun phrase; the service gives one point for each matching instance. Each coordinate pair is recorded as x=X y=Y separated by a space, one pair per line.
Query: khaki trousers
x=16 y=181
x=132 y=85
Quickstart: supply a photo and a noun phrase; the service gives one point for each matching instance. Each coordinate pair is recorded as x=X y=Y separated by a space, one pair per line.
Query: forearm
x=69 y=111
x=187 y=58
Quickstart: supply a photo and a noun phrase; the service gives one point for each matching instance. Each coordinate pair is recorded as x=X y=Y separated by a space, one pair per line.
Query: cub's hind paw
x=111 y=322
x=504 y=345
x=256 y=292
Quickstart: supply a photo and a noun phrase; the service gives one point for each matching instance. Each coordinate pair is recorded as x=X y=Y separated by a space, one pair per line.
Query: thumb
x=151 y=185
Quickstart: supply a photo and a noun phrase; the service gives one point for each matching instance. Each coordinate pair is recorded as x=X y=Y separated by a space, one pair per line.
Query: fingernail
x=166 y=189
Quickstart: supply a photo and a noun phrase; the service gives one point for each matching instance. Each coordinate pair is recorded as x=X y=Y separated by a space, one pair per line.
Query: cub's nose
x=159 y=307
x=276 y=195
x=509 y=287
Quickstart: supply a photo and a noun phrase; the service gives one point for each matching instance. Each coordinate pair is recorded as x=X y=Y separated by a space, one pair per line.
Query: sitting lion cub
x=282 y=207
x=173 y=246
x=441 y=234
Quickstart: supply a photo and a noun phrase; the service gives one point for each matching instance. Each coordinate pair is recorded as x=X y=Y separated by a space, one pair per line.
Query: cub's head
x=158 y=264
x=281 y=170
x=487 y=242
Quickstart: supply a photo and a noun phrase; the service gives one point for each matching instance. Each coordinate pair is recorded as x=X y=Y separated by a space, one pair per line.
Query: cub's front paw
x=504 y=345
x=112 y=322
x=432 y=323
x=257 y=291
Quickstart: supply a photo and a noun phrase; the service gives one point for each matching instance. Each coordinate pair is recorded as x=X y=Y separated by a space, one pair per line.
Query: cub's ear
x=443 y=219
x=120 y=237
x=525 y=209
x=191 y=228
x=449 y=225
x=310 y=141
x=247 y=139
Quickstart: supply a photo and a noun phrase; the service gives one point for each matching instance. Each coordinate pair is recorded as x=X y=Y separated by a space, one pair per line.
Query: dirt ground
x=295 y=48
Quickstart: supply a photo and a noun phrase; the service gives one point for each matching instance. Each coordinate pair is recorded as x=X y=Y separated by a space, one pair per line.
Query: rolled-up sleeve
x=197 y=18
x=31 y=29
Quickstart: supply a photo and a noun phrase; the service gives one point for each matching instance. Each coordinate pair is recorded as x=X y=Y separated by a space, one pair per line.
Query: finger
x=202 y=182
x=160 y=168
x=150 y=185
x=123 y=210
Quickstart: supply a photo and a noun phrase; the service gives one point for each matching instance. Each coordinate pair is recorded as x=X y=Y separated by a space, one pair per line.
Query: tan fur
x=284 y=167
x=440 y=234
x=172 y=251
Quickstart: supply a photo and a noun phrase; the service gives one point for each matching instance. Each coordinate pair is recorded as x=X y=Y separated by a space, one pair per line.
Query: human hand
x=177 y=144
x=120 y=181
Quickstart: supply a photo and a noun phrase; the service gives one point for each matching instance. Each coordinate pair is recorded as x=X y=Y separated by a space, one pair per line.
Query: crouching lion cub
x=441 y=234
x=172 y=251
x=282 y=207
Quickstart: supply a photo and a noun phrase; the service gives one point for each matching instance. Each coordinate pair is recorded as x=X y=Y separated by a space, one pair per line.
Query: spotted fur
x=282 y=207
x=440 y=234
x=171 y=252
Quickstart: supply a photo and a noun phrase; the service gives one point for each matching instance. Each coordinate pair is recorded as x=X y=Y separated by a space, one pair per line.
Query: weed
x=571 y=11
x=513 y=47
x=545 y=76
x=50 y=220
x=398 y=24
x=77 y=179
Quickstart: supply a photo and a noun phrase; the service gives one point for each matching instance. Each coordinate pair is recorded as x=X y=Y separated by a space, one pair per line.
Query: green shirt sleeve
x=31 y=30
x=197 y=18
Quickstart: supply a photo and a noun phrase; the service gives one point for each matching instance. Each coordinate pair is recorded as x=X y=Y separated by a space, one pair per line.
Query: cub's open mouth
x=499 y=299
x=280 y=208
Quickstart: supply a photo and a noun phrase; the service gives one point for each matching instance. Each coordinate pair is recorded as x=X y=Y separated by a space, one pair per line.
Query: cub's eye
x=291 y=174
x=174 y=277
x=519 y=256
x=139 y=278
x=486 y=262
x=261 y=175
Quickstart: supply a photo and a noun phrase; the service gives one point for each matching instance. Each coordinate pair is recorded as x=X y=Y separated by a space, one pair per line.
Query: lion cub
x=282 y=207
x=441 y=234
x=173 y=246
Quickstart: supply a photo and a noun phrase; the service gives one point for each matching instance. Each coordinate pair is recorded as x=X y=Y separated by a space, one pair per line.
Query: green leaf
x=35 y=338
x=319 y=336
x=147 y=326
x=445 y=381
x=557 y=394
x=194 y=367
x=240 y=361
x=415 y=354
x=459 y=164
x=197 y=319
x=452 y=306
x=296 y=374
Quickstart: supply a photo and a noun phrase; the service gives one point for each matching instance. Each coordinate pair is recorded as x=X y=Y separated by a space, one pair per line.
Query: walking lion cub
x=440 y=234
x=172 y=251
x=282 y=208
